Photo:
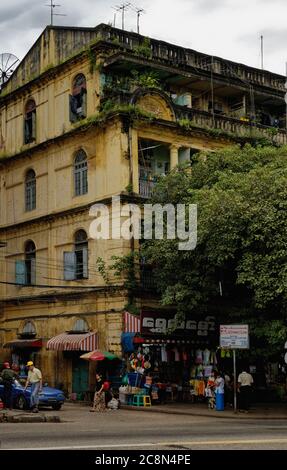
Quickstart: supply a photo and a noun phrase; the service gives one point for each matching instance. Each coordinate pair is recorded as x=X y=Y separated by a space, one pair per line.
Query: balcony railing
x=237 y=127
x=146 y=188
x=180 y=56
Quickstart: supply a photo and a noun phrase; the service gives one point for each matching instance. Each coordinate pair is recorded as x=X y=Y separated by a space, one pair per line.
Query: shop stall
x=173 y=359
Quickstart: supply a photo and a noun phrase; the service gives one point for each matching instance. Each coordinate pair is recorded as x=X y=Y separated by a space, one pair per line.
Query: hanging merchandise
x=163 y=354
x=176 y=354
x=198 y=356
x=206 y=357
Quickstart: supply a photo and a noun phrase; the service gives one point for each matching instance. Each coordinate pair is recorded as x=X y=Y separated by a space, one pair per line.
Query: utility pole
x=123 y=7
x=212 y=92
x=285 y=98
x=52 y=6
x=262 y=52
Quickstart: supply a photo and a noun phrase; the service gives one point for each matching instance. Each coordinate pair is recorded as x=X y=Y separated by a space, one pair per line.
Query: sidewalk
x=17 y=416
x=260 y=411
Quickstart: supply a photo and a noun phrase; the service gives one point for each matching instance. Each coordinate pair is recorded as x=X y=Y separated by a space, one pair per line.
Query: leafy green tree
x=239 y=267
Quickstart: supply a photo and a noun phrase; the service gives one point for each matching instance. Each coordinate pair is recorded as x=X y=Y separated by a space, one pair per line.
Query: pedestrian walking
x=245 y=382
x=8 y=376
x=99 y=403
x=219 y=391
x=210 y=391
x=35 y=380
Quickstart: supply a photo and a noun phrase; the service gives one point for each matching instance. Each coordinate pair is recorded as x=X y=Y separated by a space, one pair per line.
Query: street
x=135 y=430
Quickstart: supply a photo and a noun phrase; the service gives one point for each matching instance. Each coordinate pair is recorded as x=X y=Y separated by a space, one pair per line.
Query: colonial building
x=92 y=113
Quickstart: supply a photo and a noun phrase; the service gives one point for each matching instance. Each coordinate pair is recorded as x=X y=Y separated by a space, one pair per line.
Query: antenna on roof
x=139 y=12
x=261 y=51
x=123 y=7
x=52 y=6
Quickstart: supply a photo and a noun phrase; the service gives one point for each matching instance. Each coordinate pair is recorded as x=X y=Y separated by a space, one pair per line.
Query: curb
x=6 y=418
x=220 y=415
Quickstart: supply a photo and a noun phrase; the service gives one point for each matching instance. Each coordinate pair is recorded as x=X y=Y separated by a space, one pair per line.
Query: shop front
x=26 y=347
x=171 y=358
x=22 y=351
x=68 y=348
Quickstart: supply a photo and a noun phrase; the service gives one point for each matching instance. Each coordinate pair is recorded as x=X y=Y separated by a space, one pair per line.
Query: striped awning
x=132 y=323
x=73 y=342
x=23 y=343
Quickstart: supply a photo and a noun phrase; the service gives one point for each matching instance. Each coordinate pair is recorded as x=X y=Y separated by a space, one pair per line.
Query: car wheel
x=57 y=406
x=21 y=403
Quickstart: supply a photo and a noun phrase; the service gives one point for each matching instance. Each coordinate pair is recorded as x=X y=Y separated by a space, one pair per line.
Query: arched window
x=80 y=173
x=81 y=254
x=30 y=190
x=78 y=98
x=30 y=122
x=76 y=262
x=81 y=326
x=29 y=329
x=30 y=263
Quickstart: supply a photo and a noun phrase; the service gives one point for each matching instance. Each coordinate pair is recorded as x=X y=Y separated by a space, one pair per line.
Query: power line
x=46 y=286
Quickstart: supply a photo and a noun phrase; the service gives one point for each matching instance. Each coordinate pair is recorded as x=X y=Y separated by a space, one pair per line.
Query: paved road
x=124 y=430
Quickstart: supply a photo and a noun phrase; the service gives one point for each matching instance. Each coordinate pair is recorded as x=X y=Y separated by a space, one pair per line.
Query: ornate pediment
x=154 y=102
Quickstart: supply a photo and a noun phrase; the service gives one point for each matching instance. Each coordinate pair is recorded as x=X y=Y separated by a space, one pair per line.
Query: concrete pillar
x=134 y=160
x=173 y=156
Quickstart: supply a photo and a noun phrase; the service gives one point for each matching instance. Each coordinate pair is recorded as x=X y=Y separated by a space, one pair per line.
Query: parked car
x=21 y=397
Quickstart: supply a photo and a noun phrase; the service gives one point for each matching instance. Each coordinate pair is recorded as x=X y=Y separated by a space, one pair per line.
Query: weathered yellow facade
x=111 y=144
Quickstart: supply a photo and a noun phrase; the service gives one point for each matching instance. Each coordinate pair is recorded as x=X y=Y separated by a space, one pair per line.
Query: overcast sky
x=226 y=28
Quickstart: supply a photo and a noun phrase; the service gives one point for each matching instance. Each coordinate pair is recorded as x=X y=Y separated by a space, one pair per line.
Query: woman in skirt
x=99 y=397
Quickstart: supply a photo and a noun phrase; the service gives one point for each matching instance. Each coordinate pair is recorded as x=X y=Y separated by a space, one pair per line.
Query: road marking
x=164 y=444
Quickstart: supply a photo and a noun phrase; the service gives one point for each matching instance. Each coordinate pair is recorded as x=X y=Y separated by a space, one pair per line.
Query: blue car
x=21 y=398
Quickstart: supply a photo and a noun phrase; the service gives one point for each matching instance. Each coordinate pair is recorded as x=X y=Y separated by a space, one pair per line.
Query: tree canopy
x=239 y=266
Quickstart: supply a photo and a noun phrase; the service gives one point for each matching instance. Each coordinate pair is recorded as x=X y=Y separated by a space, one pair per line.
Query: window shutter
x=26 y=132
x=20 y=273
x=84 y=104
x=33 y=136
x=73 y=109
x=69 y=265
x=85 y=264
x=33 y=271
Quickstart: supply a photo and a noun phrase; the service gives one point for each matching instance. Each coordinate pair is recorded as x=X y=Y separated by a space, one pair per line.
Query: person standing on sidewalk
x=8 y=376
x=245 y=382
x=35 y=379
x=99 y=397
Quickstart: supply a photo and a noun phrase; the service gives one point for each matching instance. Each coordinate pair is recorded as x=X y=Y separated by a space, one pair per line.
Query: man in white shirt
x=35 y=379
x=245 y=382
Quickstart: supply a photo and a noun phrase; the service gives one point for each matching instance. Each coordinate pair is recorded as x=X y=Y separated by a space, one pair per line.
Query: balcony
x=146 y=188
x=173 y=55
x=229 y=125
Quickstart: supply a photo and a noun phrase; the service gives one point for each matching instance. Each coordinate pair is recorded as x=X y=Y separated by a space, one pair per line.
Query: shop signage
x=234 y=336
x=165 y=323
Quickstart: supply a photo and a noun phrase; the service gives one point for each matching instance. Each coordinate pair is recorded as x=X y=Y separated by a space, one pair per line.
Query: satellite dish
x=8 y=63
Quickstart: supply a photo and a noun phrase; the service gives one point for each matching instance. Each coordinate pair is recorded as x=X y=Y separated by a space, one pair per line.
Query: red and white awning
x=132 y=323
x=23 y=343
x=73 y=342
